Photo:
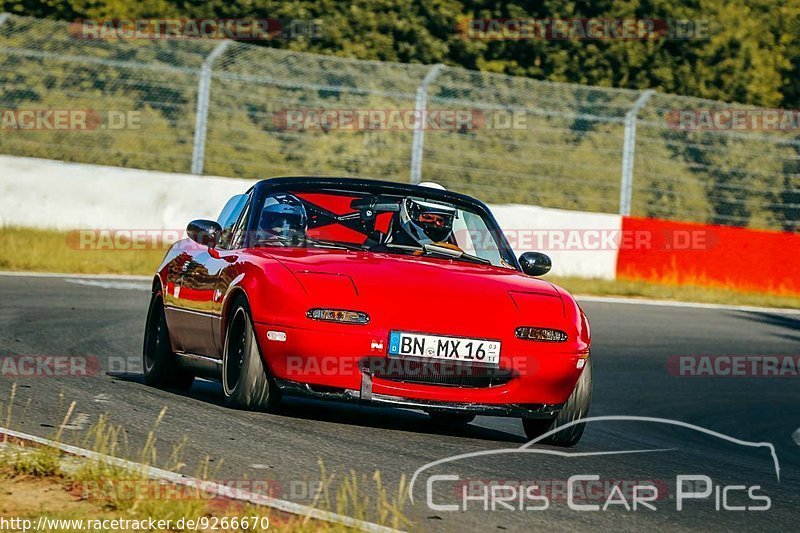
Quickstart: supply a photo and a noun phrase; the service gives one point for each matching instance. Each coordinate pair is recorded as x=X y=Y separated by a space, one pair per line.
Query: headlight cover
x=529 y=333
x=342 y=316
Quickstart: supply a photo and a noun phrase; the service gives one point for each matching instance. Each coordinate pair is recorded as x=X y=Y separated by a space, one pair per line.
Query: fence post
x=420 y=107
x=628 y=149
x=201 y=117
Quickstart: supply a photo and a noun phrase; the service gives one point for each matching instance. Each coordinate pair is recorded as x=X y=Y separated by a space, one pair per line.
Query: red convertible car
x=372 y=292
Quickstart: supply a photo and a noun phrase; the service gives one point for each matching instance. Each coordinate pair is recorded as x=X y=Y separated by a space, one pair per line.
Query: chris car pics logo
x=450 y=492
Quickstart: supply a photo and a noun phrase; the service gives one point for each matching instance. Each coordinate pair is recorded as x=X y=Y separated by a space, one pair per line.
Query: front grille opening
x=442 y=374
x=325 y=388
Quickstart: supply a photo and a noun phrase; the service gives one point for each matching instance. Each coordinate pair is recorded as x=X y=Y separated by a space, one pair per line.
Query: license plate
x=461 y=349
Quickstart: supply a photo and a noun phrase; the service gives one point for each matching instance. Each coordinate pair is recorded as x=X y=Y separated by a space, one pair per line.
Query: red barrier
x=712 y=256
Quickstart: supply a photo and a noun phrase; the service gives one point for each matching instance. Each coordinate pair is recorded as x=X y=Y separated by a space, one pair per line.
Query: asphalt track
x=80 y=317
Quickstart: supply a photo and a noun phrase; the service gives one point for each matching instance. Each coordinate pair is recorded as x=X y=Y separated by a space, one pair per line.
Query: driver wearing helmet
x=283 y=221
x=423 y=222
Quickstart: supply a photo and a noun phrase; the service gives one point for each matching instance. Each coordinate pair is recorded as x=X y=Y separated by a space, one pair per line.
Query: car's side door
x=197 y=292
x=190 y=313
x=176 y=300
x=230 y=251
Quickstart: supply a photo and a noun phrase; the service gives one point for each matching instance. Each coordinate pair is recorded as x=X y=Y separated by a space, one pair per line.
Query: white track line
x=111 y=284
x=675 y=303
x=207 y=486
x=130 y=277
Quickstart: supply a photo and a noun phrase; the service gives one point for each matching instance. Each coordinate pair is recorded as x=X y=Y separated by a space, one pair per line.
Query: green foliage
x=751 y=56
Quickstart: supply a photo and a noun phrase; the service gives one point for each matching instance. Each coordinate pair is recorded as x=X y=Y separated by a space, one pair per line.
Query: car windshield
x=387 y=223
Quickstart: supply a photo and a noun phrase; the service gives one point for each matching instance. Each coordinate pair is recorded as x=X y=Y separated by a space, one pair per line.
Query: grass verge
x=34 y=250
x=37 y=481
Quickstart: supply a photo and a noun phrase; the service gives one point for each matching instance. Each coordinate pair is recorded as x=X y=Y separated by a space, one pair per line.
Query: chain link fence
x=232 y=109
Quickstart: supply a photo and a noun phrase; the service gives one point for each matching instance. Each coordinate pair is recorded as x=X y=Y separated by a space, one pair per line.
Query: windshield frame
x=264 y=188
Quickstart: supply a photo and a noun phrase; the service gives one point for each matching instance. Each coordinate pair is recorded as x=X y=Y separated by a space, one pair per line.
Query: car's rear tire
x=161 y=366
x=246 y=381
x=451 y=419
x=576 y=408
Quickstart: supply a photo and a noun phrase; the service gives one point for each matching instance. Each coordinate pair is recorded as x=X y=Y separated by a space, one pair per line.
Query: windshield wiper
x=334 y=244
x=432 y=249
x=309 y=243
x=454 y=254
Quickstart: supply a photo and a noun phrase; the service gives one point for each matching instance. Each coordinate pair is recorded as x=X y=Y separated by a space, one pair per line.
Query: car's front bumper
x=366 y=395
x=324 y=358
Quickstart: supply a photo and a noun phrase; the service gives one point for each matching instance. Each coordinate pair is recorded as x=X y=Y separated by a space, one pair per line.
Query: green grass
x=34 y=250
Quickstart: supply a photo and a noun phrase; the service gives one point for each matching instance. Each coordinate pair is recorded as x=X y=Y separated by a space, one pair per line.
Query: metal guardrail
x=221 y=108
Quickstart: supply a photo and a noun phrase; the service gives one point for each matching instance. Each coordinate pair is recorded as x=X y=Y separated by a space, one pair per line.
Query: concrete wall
x=580 y=244
x=52 y=194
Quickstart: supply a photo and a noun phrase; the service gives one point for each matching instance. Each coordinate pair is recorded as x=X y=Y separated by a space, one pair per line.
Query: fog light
x=338 y=315
x=541 y=334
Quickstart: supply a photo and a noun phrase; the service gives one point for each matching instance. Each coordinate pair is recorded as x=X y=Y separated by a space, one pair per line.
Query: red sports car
x=372 y=292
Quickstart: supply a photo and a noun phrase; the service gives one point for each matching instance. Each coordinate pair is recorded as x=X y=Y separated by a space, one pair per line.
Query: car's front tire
x=576 y=408
x=245 y=378
x=161 y=366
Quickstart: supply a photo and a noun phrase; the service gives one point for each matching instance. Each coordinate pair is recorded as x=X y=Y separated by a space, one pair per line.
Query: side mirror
x=205 y=232
x=535 y=263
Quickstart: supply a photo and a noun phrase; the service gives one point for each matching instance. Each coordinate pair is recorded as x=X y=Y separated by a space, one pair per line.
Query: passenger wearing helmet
x=423 y=222
x=283 y=221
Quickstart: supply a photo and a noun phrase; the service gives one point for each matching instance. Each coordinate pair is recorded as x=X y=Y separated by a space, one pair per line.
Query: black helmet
x=427 y=222
x=283 y=218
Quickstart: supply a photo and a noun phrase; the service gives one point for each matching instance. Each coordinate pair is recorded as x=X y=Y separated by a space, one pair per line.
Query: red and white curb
x=210 y=487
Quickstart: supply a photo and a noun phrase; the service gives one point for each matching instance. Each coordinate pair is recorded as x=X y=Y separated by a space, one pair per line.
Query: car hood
x=422 y=293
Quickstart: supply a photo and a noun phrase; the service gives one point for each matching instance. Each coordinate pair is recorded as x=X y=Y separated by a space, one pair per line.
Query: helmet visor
x=283 y=225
